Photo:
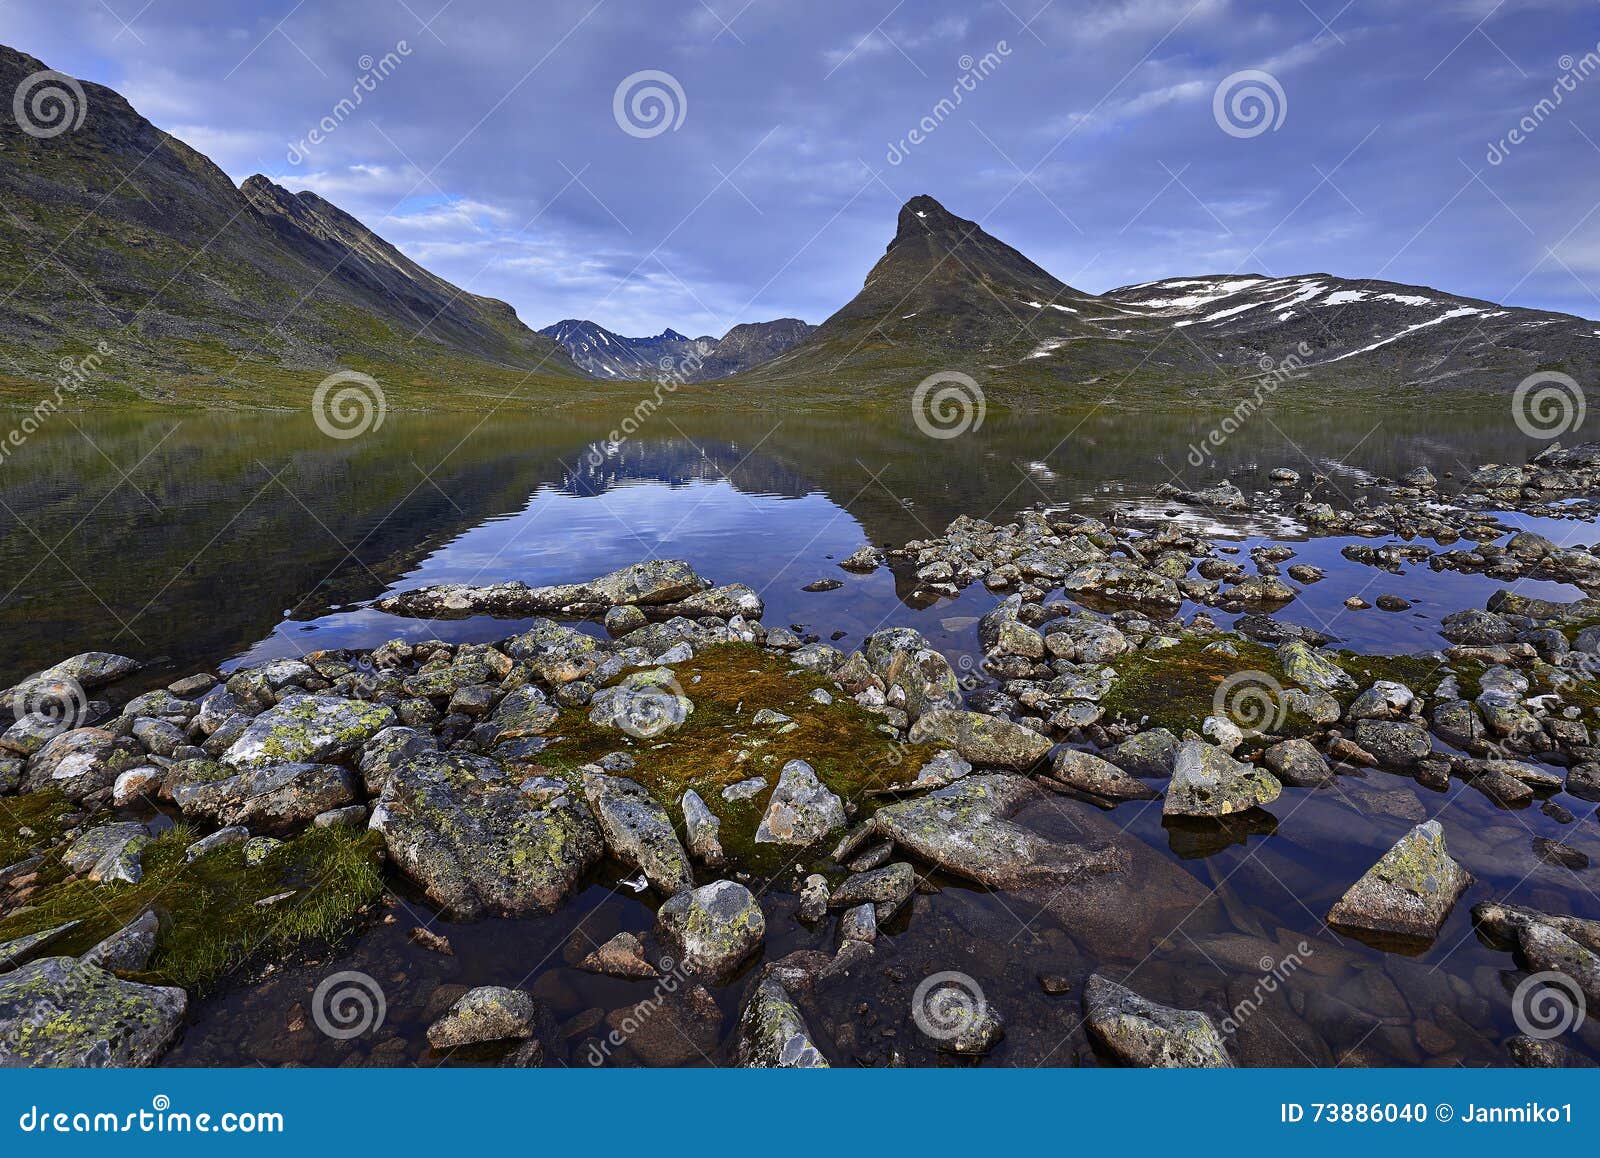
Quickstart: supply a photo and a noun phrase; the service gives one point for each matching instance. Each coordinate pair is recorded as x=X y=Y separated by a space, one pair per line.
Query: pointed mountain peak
x=923 y=215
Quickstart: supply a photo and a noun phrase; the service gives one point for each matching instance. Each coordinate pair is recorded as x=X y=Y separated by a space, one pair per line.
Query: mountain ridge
x=669 y=355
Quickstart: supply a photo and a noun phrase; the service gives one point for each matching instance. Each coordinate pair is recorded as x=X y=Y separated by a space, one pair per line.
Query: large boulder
x=275 y=798
x=1409 y=892
x=644 y=705
x=1313 y=669
x=81 y=762
x=1137 y=1032
x=802 y=810
x=1207 y=782
x=989 y=741
x=772 y=1034
x=89 y=670
x=654 y=581
x=481 y=840
x=308 y=729
x=59 y=1011
x=638 y=830
x=714 y=927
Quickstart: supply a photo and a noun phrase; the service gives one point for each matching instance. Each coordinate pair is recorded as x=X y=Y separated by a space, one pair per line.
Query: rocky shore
x=739 y=776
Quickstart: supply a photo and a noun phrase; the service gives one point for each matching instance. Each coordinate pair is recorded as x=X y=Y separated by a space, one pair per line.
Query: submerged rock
x=1409 y=892
x=60 y=1011
x=487 y=1013
x=1138 y=1032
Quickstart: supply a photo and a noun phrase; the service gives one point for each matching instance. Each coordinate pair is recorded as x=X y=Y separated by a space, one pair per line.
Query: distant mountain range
x=670 y=355
x=116 y=236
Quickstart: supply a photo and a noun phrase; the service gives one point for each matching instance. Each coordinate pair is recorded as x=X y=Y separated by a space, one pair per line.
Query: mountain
x=115 y=232
x=605 y=354
x=947 y=295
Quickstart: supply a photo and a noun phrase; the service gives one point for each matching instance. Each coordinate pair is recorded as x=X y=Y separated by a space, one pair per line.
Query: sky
x=498 y=142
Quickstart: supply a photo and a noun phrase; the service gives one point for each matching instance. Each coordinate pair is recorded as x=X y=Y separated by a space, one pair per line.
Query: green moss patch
x=719 y=744
x=1176 y=686
x=210 y=921
x=31 y=823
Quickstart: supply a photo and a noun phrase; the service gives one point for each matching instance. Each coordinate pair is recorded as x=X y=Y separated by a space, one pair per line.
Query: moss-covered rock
x=1409 y=892
x=714 y=927
x=309 y=729
x=61 y=1012
x=772 y=1034
x=1138 y=1032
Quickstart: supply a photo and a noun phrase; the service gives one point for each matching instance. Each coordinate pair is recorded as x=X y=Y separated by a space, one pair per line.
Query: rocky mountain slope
x=947 y=295
x=604 y=354
x=118 y=237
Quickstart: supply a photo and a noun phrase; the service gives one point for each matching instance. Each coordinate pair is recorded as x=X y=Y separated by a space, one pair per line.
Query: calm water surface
x=203 y=540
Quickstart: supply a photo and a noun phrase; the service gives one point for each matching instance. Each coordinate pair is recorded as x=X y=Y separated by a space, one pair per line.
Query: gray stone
x=983 y=739
x=61 y=1012
x=308 y=729
x=129 y=949
x=772 y=1034
x=701 y=826
x=487 y=1013
x=1138 y=1032
x=714 y=927
x=638 y=831
x=1207 y=782
x=802 y=810
x=1097 y=777
x=1409 y=892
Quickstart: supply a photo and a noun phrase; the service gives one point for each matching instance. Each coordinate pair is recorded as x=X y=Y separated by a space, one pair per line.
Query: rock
x=523 y=712
x=1546 y=949
x=129 y=949
x=1583 y=781
x=81 y=762
x=350 y=816
x=623 y=619
x=1409 y=892
x=802 y=809
x=1312 y=669
x=387 y=750
x=644 y=705
x=1456 y=722
x=1137 y=1032
x=1388 y=602
x=1298 y=764
x=275 y=798
x=863 y=560
x=955 y=1016
x=1119 y=583
x=1394 y=743
x=859 y=924
x=1150 y=753
x=1476 y=628
x=638 y=831
x=1543 y=1053
x=982 y=739
x=1097 y=777
x=21 y=950
x=966 y=829
x=714 y=927
x=235 y=834
x=744 y=789
x=885 y=889
x=1384 y=700
x=109 y=852
x=141 y=783
x=656 y=581
x=622 y=956
x=487 y=1013
x=308 y=729
x=1207 y=782
x=813 y=899
x=89 y=670
x=772 y=1034
x=62 y=1012
x=702 y=826
x=481 y=840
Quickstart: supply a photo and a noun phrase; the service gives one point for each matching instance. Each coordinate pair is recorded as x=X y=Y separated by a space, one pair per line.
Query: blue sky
x=492 y=151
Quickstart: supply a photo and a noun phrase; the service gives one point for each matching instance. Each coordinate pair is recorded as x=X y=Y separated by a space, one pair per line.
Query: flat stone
x=309 y=729
x=983 y=739
x=638 y=831
x=1097 y=777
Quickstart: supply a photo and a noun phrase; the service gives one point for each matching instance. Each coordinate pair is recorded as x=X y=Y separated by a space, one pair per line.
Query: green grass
x=210 y=923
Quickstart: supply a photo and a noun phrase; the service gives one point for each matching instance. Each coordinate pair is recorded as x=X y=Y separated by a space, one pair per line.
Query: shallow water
x=202 y=541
